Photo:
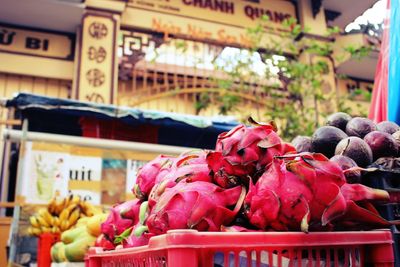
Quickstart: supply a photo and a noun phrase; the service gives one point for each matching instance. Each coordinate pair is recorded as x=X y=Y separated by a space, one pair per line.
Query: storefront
x=100 y=51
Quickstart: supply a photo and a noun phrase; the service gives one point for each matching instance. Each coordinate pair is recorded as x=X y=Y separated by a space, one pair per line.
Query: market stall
x=79 y=143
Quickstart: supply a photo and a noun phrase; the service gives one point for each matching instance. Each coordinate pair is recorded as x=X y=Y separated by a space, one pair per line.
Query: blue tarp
x=394 y=63
x=62 y=116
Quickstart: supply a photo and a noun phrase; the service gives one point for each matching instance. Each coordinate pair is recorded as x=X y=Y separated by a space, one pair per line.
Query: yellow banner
x=36 y=43
x=97 y=62
x=244 y=13
x=200 y=22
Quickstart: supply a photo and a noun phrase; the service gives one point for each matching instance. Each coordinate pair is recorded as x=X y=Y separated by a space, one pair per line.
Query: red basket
x=189 y=248
x=46 y=241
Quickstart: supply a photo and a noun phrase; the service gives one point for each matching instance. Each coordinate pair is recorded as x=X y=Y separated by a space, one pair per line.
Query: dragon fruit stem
x=140 y=230
x=143 y=211
x=240 y=201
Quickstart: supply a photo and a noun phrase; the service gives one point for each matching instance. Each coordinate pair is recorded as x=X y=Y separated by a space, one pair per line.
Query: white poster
x=45 y=173
x=86 y=169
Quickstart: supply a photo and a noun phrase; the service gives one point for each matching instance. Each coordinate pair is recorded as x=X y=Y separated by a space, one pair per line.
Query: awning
x=64 y=116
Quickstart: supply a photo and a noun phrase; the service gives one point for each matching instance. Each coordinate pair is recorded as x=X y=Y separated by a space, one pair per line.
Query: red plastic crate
x=46 y=241
x=189 y=248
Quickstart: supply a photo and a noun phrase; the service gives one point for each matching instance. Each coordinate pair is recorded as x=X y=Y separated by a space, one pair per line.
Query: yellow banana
x=42 y=221
x=64 y=215
x=90 y=210
x=59 y=206
x=68 y=200
x=34 y=222
x=75 y=199
x=56 y=221
x=44 y=213
x=55 y=229
x=34 y=231
x=45 y=229
x=52 y=205
x=74 y=216
x=64 y=225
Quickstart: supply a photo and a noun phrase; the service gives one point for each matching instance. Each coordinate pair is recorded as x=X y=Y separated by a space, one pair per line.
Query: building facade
x=104 y=50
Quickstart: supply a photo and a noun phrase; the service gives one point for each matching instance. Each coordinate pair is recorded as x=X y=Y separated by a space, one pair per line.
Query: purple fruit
x=387 y=127
x=360 y=127
x=302 y=143
x=396 y=136
x=338 y=120
x=382 y=144
x=356 y=149
x=325 y=139
x=345 y=163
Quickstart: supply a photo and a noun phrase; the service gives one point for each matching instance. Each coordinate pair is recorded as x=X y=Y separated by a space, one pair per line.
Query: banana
x=42 y=221
x=90 y=210
x=51 y=207
x=68 y=200
x=75 y=199
x=64 y=225
x=34 y=231
x=56 y=221
x=55 y=229
x=64 y=215
x=45 y=229
x=44 y=213
x=74 y=215
x=34 y=222
x=59 y=206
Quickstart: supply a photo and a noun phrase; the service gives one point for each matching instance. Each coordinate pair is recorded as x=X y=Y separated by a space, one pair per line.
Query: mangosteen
x=325 y=139
x=356 y=149
x=360 y=127
x=345 y=163
x=382 y=144
x=302 y=143
x=338 y=120
x=388 y=127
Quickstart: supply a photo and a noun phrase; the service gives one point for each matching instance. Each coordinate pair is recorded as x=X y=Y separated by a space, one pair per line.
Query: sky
x=374 y=15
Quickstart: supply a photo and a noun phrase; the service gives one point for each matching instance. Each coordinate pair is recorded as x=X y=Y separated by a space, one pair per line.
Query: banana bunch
x=60 y=215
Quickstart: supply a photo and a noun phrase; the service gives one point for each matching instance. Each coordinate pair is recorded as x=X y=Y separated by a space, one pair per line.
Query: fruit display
x=252 y=181
x=60 y=215
x=75 y=242
x=359 y=139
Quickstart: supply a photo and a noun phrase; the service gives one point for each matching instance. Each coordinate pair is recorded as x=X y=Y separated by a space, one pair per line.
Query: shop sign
x=97 y=59
x=223 y=21
x=96 y=175
x=56 y=45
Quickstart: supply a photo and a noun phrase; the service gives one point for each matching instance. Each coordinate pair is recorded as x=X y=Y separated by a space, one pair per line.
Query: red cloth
x=378 y=110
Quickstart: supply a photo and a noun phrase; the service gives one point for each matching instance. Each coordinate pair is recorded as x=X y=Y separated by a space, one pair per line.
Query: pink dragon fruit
x=137 y=237
x=187 y=168
x=245 y=151
x=146 y=177
x=129 y=209
x=103 y=242
x=115 y=224
x=307 y=190
x=197 y=205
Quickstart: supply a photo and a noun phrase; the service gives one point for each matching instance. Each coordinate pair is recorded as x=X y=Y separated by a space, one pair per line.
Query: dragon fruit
x=115 y=224
x=307 y=191
x=245 y=151
x=187 y=168
x=197 y=205
x=102 y=241
x=146 y=177
x=129 y=209
x=138 y=237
